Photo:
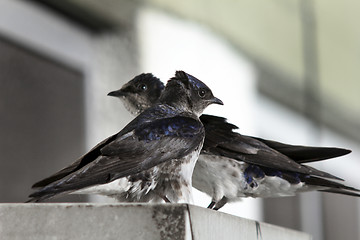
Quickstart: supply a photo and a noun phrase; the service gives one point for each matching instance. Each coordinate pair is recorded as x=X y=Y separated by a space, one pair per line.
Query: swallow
x=162 y=143
x=232 y=166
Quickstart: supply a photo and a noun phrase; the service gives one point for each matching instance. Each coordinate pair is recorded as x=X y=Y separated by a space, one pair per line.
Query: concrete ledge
x=131 y=221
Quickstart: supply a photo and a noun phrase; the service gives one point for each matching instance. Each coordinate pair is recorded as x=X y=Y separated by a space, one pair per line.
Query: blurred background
x=287 y=70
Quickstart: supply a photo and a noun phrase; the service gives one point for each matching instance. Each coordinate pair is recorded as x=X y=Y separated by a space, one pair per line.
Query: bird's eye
x=143 y=87
x=201 y=93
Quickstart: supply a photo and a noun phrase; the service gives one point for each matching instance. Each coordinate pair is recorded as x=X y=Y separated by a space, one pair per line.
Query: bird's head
x=140 y=93
x=187 y=92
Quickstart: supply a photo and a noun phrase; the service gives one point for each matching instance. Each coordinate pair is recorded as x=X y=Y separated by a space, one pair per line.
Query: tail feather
x=332 y=186
x=341 y=191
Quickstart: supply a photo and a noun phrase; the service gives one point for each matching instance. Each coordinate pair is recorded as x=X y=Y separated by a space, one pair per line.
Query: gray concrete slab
x=130 y=221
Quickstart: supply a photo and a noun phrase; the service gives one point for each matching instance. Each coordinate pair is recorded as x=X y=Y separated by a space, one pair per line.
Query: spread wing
x=131 y=152
x=221 y=140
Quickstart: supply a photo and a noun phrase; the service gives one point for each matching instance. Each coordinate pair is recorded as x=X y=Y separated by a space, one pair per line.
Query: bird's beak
x=117 y=93
x=216 y=101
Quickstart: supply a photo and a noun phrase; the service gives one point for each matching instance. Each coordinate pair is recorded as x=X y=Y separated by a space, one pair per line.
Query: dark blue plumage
x=179 y=127
x=162 y=145
x=253 y=171
x=232 y=165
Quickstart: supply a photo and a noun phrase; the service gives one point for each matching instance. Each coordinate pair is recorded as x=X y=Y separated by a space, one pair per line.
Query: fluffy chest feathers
x=218 y=176
x=175 y=178
x=224 y=177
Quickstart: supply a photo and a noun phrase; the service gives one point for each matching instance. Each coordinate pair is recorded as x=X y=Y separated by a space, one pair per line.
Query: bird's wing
x=304 y=154
x=221 y=140
x=93 y=154
x=300 y=154
x=146 y=146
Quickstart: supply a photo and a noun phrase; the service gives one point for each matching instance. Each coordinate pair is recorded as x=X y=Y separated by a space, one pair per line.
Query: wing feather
x=81 y=162
x=220 y=139
x=304 y=154
x=142 y=148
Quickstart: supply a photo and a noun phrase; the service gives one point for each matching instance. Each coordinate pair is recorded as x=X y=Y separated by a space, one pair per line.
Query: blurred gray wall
x=306 y=51
x=56 y=68
x=42 y=118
